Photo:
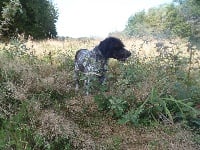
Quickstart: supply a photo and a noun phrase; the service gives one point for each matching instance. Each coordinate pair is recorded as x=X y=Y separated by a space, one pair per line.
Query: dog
x=95 y=62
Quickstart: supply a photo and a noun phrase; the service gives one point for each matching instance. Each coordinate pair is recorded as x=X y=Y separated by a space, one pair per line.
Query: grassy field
x=152 y=101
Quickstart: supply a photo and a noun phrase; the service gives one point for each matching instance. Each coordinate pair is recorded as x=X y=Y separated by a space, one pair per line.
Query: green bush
x=155 y=90
x=115 y=106
x=102 y=102
x=156 y=108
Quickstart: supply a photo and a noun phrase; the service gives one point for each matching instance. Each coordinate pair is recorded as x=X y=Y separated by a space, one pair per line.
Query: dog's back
x=84 y=61
x=89 y=61
x=81 y=52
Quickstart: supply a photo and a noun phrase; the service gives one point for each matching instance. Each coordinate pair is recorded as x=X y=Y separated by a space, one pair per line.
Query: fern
x=167 y=111
x=184 y=108
x=159 y=108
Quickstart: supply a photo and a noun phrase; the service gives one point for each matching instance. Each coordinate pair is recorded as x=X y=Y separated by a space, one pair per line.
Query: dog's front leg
x=87 y=84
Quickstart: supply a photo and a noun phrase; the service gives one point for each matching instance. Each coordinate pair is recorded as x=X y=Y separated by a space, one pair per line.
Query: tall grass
x=157 y=84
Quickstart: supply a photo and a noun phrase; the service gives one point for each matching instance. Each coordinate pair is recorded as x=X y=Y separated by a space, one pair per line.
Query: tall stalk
x=190 y=50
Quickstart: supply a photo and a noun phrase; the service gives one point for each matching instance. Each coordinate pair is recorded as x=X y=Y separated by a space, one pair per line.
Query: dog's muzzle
x=124 y=56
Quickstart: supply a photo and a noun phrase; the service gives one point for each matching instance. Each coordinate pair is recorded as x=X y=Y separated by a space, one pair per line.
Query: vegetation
x=151 y=101
x=31 y=18
x=40 y=109
x=168 y=20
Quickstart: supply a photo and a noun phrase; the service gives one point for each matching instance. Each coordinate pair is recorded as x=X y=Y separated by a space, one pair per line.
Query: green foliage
x=8 y=13
x=165 y=21
x=135 y=23
x=14 y=131
x=18 y=132
x=190 y=10
x=155 y=90
x=133 y=115
x=19 y=123
x=49 y=98
x=102 y=101
x=38 y=20
x=117 y=140
x=176 y=23
x=15 y=48
x=163 y=109
x=116 y=106
x=31 y=18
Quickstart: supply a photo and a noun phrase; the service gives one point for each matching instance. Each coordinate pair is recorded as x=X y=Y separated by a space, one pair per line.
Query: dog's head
x=113 y=48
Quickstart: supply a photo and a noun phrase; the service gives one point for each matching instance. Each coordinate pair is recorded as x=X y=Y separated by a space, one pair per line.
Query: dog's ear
x=104 y=47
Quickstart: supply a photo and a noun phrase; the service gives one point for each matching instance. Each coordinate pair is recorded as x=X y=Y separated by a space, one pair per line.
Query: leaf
x=167 y=111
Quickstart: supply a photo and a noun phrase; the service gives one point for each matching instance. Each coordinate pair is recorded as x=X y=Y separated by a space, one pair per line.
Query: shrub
x=114 y=105
x=154 y=89
x=156 y=108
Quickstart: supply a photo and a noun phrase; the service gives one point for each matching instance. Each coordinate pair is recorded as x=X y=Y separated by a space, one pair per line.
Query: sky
x=98 y=18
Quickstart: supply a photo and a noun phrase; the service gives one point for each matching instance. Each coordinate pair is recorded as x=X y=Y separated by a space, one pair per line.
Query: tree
x=8 y=12
x=176 y=23
x=190 y=10
x=37 y=19
x=164 y=21
x=135 y=23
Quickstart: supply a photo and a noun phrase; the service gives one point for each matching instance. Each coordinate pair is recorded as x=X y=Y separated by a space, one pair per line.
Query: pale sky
x=88 y=18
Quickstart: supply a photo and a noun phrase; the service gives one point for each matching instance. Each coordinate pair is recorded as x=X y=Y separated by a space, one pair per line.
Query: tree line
x=35 y=18
x=180 y=18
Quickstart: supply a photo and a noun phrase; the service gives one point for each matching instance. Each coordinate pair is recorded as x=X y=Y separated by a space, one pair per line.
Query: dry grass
x=77 y=116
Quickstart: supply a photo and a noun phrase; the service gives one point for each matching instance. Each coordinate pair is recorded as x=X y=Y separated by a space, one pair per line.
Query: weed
x=165 y=109
x=117 y=106
x=102 y=102
x=160 y=87
x=116 y=143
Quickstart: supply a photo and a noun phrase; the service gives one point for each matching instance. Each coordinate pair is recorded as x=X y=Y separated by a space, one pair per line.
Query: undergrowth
x=23 y=85
x=19 y=132
x=164 y=89
x=161 y=89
